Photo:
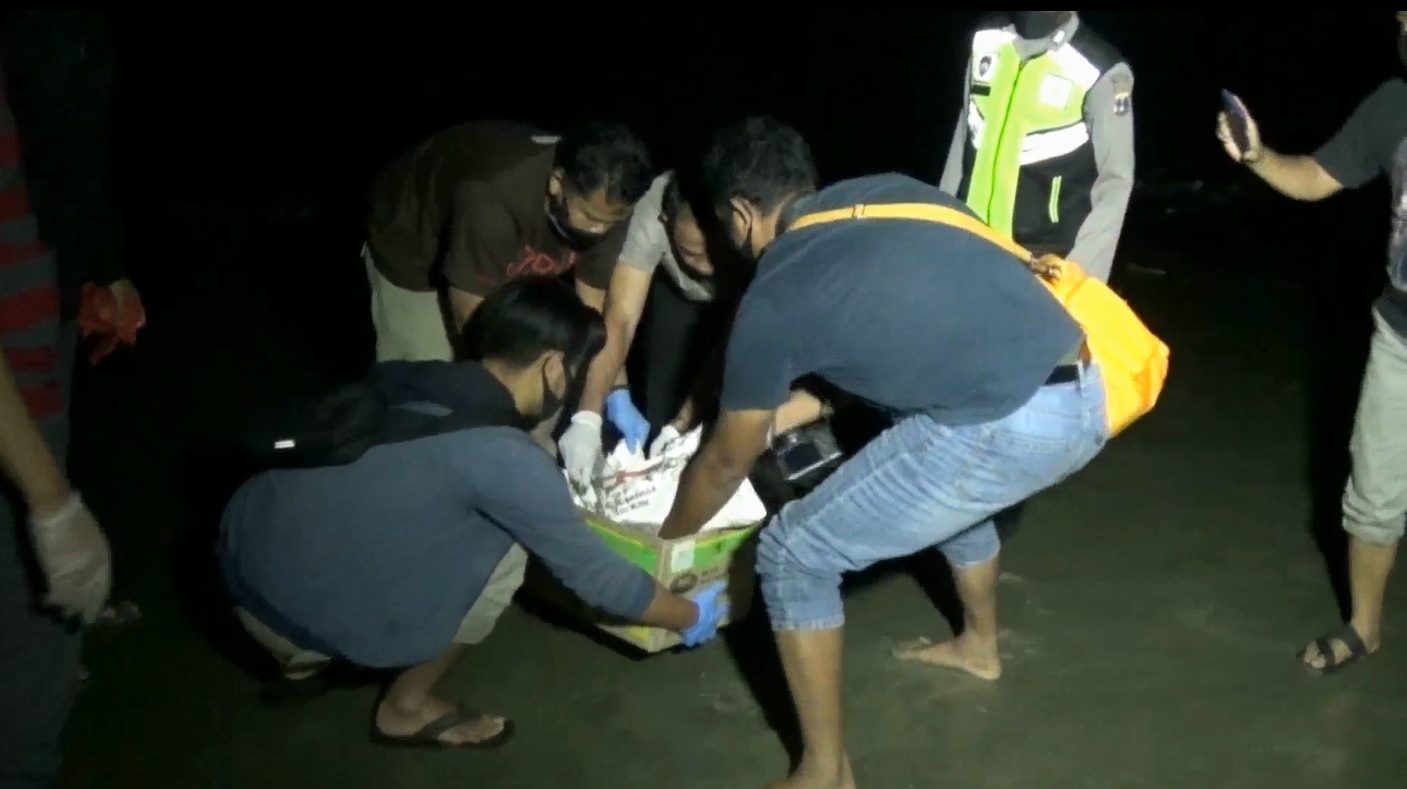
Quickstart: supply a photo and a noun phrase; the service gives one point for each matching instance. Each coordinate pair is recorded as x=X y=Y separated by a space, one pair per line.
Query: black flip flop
x=1347 y=636
x=430 y=734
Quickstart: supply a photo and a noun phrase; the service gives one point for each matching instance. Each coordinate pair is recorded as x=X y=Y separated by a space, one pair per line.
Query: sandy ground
x=1151 y=607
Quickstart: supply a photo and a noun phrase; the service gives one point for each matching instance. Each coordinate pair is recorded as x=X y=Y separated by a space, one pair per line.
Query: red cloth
x=98 y=320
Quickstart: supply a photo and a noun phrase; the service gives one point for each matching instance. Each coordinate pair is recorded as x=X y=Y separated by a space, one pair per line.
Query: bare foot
x=964 y=653
x=805 y=778
x=395 y=721
x=1344 y=647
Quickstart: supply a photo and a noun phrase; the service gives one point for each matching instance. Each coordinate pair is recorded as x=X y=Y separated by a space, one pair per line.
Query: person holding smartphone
x=1372 y=142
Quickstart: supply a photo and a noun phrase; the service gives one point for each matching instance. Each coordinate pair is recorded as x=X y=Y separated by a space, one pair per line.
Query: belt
x=1070 y=373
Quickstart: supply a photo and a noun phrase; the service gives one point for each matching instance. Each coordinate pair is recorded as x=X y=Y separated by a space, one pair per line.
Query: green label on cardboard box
x=698 y=553
x=636 y=551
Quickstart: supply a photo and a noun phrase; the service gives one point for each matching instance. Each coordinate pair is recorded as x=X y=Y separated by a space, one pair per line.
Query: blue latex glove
x=712 y=608
x=633 y=427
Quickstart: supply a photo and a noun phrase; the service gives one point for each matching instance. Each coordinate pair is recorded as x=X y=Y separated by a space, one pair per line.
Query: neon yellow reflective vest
x=1029 y=166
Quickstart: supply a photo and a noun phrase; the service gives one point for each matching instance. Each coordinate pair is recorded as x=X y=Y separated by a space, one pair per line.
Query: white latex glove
x=74 y=556
x=668 y=434
x=580 y=446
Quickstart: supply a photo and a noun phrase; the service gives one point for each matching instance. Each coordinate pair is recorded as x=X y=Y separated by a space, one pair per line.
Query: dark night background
x=245 y=142
x=268 y=126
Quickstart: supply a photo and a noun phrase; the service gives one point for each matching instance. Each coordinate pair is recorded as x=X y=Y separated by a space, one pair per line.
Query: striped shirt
x=29 y=290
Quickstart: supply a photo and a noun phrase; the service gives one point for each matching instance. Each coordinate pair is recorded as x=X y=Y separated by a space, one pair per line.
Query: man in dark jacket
x=406 y=555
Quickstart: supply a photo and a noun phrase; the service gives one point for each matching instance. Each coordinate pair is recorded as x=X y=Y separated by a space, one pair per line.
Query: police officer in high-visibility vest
x=1043 y=149
x=1044 y=144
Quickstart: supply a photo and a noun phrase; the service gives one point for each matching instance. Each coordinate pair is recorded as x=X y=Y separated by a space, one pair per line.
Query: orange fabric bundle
x=103 y=324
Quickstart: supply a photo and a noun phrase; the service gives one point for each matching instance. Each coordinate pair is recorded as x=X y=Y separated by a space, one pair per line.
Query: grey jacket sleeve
x=951 y=177
x=1109 y=113
x=521 y=490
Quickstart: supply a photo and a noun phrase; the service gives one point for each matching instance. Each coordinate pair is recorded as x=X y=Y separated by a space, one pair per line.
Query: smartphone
x=1236 y=121
x=799 y=459
x=806 y=451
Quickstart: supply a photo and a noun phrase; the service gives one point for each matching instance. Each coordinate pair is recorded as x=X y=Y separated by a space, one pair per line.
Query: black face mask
x=1402 y=49
x=705 y=280
x=551 y=401
x=702 y=280
x=744 y=247
x=558 y=218
x=1032 y=25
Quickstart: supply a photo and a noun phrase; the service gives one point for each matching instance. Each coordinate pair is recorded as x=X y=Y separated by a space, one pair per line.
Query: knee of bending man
x=971 y=547
x=781 y=551
x=800 y=580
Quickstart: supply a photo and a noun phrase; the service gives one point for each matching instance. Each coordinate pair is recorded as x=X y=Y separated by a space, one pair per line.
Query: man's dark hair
x=525 y=318
x=759 y=159
x=685 y=191
x=599 y=155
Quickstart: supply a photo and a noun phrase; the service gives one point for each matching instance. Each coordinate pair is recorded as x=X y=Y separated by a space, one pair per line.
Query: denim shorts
x=922 y=484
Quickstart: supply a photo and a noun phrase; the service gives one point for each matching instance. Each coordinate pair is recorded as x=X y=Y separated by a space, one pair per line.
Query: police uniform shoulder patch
x=1122 y=83
x=982 y=69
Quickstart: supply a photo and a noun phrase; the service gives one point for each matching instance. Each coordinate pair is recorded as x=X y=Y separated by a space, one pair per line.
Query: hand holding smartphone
x=1237 y=122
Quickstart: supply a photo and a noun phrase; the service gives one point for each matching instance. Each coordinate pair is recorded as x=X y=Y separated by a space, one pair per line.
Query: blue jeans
x=921 y=484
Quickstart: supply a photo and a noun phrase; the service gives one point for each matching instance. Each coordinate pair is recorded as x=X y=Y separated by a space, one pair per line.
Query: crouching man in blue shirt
x=408 y=554
x=989 y=379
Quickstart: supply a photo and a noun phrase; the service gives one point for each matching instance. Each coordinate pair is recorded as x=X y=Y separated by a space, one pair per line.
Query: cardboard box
x=681 y=565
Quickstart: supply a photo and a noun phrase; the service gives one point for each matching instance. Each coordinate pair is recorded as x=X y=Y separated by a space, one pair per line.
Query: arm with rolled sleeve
x=757 y=378
x=951 y=177
x=1109 y=113
x=644 y=244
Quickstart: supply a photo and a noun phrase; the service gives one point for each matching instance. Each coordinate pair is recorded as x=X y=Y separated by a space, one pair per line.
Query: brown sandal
x=1333 y=664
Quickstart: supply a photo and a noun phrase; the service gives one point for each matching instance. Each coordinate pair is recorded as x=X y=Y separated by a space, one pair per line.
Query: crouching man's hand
x=713 y=608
